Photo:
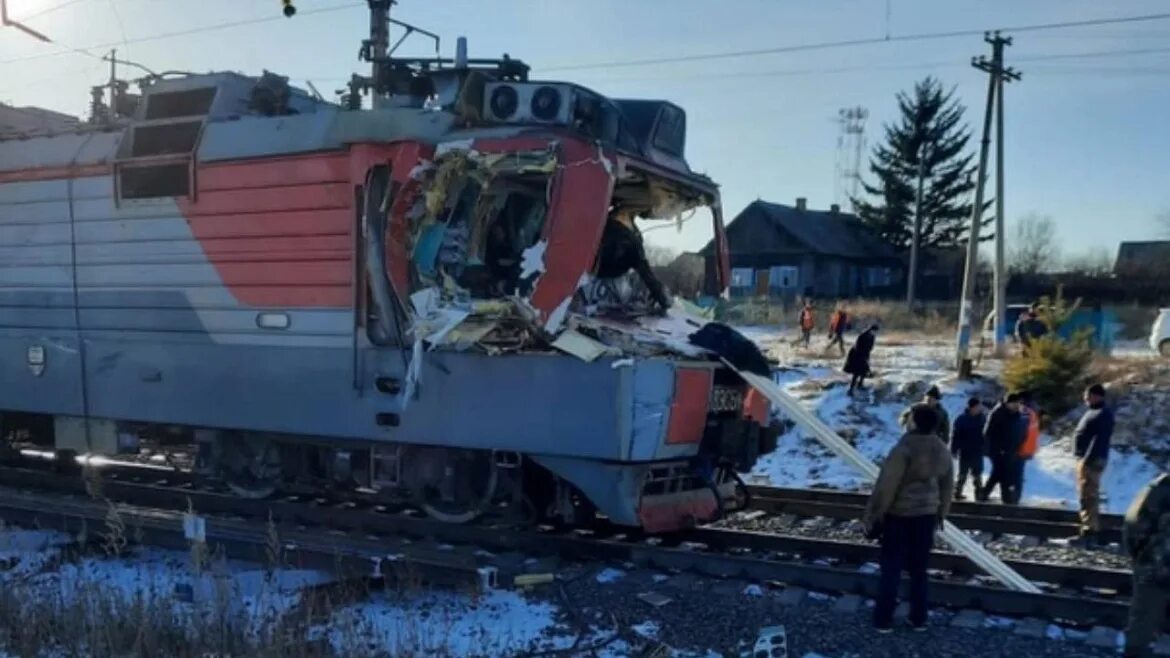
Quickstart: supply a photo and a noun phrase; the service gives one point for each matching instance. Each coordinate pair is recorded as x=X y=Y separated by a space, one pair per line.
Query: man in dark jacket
x=1003 y=434
x=1030 y=327
x=967 y=445
x=1093 y=435
x=1146 y=537
x=933 y=400
x=857 y=361
x=910 y=499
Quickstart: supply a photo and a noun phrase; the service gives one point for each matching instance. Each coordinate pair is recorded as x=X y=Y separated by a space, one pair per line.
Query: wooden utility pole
x=996 y=73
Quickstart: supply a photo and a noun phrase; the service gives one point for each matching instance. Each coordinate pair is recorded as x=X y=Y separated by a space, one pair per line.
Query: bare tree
x=1032 y=246
x=1163 y=222
x=1095 y=261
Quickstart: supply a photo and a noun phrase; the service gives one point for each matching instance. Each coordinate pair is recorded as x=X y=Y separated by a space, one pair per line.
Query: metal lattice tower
x=850 y=145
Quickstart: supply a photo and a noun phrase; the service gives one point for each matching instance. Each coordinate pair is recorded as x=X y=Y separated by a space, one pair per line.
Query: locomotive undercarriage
x=452 y=485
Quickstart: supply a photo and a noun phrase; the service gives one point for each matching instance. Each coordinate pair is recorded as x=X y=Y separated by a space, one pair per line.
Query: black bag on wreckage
x=728 y=343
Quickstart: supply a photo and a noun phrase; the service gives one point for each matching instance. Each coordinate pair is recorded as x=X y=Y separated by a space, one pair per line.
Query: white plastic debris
x=532 y=260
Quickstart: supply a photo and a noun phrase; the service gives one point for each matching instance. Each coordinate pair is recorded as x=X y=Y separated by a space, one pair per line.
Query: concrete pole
x=967 y=301
x=379 y=45
x=1001 y=327
x=912 y=282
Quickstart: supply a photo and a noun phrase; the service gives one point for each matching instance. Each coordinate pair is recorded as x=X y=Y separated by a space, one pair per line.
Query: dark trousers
x=973 y=466
x=1147 y=609
x=1015 y=469
x=1008 y=472
x=839 y=341
x=856 y=382
x=906 y=544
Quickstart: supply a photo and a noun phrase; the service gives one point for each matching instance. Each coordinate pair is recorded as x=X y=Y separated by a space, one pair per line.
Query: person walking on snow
x=1146 y=538
x=807 y=322
x=932 y=399
x=1030 y=327
x=838 y=322
x=1030 y=432
x=857 y=361
x=967 y=446
x=1003 y=436
x=910 y=499
x=1093 y=435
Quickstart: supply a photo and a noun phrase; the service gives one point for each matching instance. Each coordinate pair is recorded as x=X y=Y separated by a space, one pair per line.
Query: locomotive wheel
x=452 y=486
x=250 y=466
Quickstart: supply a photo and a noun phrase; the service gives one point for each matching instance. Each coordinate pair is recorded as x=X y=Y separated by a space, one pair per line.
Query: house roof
x=1154 y=254
x=826 y=232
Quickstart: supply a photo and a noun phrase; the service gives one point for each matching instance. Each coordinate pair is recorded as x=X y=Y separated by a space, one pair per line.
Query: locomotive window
x=166 y=180
x=512 y=222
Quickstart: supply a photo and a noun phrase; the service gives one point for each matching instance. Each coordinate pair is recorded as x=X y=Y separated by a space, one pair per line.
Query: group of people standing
x=857 y=359
x=917 y=482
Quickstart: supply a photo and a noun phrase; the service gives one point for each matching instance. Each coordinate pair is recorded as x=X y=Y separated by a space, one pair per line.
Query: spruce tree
x=931 y=117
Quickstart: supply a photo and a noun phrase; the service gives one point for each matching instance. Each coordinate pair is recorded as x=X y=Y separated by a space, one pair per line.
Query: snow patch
x=610 y=575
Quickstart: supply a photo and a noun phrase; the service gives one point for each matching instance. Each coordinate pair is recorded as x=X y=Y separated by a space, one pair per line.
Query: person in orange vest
x=837 y=325
x=1030 y=420
x=807 y=322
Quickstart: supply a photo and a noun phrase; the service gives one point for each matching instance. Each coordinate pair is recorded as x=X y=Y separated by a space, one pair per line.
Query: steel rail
x=348 y=521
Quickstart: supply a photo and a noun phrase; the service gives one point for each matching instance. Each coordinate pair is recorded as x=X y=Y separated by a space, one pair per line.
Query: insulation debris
x=581 y=346
x=532 y=260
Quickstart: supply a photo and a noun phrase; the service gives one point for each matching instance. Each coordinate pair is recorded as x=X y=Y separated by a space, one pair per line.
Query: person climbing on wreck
x=857 y=361
x=622 y=250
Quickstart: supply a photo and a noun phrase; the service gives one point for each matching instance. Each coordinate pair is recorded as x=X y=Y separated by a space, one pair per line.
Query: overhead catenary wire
x=845 y=43
x=181 y=33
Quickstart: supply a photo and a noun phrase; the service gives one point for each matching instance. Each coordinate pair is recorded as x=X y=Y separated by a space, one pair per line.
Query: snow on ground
x=903 y=369
x=433 y=623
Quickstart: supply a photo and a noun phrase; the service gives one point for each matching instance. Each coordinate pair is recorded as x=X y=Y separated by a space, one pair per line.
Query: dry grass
x=931 y=319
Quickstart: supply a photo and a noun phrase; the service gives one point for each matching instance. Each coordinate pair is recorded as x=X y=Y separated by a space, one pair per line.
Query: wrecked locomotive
x=442 y=299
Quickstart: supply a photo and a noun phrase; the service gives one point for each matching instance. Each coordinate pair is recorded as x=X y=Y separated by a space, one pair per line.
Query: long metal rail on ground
x=950 y=533
x=996 y=519
x=344 y=525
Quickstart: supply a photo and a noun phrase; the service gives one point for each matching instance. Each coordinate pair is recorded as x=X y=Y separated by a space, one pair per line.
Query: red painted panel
x=324 y=196
x=692 y=400
x=276 y=224
x=276 y=233
x=51 y=173
x=331 y=168
x=580 y=203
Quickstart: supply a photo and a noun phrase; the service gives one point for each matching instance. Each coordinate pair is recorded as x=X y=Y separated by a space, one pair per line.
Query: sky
x=1087 y=136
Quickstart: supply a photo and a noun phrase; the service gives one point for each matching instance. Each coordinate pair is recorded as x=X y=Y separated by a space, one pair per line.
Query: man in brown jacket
x=910 y=499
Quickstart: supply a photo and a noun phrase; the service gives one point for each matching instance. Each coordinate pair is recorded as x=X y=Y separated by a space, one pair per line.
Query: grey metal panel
x=653 y=392
x=103 y=209
x=57 y=390
x=394 y=124
x=464 y=400
x=159 y=227
x=32 y=275
x=80 y=149
x=31 y=191
x=49 y=254
x=614 y=488
x=38 y=318
x=35 y=297
x=34 y=234
x=34 y=212
x=214 y=321
x=258 y=136
x=187 y=250
x=93 y=187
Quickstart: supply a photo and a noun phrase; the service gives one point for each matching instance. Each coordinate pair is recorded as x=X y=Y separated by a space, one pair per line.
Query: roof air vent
x=504 y=102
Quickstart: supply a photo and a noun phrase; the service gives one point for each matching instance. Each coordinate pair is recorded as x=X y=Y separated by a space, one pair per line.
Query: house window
x=785 y=277
x=877 y=277
x=742 y=277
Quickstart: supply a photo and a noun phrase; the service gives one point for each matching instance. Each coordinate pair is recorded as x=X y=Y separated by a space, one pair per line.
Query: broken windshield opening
x=480 y=214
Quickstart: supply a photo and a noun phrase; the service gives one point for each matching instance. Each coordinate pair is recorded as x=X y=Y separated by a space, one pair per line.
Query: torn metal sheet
x=580 y=346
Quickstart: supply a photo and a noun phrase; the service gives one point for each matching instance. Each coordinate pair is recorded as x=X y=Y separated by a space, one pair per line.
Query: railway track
x=1046 y=523
x=317 y=531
